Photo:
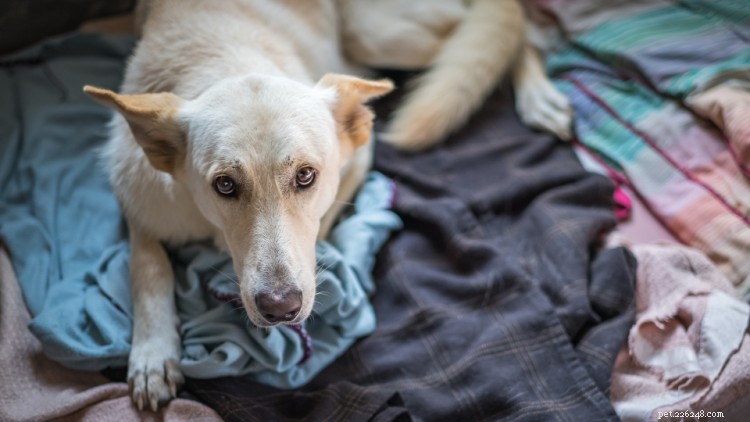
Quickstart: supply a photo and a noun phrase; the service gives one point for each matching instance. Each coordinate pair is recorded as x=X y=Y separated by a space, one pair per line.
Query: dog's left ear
x=353 y=117
x=151 y=118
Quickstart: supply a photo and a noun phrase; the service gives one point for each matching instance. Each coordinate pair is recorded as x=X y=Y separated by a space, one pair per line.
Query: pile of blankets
x=661 y=92
x=497 y=293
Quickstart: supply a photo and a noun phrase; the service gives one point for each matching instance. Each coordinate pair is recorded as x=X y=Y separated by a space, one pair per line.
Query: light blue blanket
x=67 y=239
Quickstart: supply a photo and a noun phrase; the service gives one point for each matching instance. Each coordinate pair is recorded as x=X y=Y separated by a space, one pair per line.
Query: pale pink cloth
x=730 y=393
x=34 y=388
x=688 y=331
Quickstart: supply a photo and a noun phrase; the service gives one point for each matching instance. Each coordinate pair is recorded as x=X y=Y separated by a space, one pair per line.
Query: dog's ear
x=353 y=118
x=152 y=119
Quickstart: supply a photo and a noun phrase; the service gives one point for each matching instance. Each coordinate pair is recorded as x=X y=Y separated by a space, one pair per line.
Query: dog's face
x=261 y=157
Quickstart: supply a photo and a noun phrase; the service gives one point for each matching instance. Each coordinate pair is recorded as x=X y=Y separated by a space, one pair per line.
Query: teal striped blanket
x=661 y=92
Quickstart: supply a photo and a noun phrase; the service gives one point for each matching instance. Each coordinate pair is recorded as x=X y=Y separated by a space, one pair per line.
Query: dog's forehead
x=264 y=121
x=269 y=104
x=268 y=95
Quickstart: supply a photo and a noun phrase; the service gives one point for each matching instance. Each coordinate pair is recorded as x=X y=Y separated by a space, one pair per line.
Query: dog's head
x=261 y=158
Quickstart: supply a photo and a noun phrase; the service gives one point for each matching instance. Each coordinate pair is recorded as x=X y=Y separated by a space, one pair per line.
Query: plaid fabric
x=640 y=75
x=494 y=302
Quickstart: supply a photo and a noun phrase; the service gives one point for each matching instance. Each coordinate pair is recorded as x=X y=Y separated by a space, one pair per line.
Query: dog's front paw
x=541 y=106
x=153 y=375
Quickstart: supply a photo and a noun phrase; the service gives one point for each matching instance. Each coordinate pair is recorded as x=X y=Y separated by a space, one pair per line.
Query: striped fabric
x=642 y=76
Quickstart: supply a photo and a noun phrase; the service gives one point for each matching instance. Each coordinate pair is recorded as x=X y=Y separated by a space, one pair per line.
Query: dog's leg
x=539 y=104
x=153 y=368
x=352 y=177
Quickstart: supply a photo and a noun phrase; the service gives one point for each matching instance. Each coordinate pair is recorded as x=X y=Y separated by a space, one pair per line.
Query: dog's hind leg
x=153 y=368
x=539 y=104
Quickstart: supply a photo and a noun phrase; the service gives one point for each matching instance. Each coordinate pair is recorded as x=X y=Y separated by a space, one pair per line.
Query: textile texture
x=661 y=91
x=34 y=388
x=689 y=327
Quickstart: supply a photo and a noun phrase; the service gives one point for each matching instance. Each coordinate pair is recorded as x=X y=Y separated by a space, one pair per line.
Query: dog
x=240 y=121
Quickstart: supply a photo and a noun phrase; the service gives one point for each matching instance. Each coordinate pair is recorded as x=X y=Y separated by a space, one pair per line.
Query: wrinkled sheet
x=661 y=92
x=35 y=388
x=689 y=326
x=495 y=302
x=66 y=236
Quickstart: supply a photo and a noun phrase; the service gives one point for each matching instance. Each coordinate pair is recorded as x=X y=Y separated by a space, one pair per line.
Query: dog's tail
x=472 y=61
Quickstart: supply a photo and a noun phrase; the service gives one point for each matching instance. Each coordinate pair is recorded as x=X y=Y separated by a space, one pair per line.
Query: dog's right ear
x=151 y=117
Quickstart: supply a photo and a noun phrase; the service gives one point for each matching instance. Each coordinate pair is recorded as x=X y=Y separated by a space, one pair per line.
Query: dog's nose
x=279 y=306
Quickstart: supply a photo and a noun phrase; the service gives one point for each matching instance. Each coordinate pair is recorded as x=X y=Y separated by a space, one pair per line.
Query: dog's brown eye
x=305 y=177
x=225 y=186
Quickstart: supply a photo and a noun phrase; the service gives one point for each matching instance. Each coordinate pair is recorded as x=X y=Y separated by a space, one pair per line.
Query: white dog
x=231 y=128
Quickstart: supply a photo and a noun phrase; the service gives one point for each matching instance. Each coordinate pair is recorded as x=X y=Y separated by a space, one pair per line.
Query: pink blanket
x=689 y=349
x=34 y=388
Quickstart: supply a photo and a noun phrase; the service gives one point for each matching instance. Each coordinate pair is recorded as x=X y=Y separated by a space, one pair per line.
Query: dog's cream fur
x=468 y=46
x=242 y=89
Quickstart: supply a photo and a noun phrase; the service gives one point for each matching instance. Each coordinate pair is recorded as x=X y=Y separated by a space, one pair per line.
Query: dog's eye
x=305 y=177
x=225 y=186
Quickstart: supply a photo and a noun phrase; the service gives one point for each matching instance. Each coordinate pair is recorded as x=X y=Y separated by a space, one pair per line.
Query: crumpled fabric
x=67 y=237
x=643 y=77
x=58 y=393
x=689 y=324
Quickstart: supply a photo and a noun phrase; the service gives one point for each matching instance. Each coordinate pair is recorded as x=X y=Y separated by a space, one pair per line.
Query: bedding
x=662 y=99
x=34 y=388
x=690 y=329
x=497 y=299
x=661 y=92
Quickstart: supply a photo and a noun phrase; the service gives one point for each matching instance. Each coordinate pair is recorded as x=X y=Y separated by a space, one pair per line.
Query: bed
x=500 y=294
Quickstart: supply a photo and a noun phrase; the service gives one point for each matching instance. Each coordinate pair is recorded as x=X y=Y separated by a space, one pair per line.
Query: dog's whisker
x=324 y=268
x=232 y=277
x=322 y=293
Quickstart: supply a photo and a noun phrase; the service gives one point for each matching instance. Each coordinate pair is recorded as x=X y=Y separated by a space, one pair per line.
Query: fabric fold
x=643 y=77
x=35 y=388
x=688 y=326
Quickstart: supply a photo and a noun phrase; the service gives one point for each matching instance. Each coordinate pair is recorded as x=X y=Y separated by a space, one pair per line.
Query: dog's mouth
x=265 y=324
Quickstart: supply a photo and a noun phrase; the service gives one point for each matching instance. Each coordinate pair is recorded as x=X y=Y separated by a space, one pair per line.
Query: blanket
x=66 y=236
x=35 y=388
x=661 y=92
x=494 y=302
x=690 y=331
